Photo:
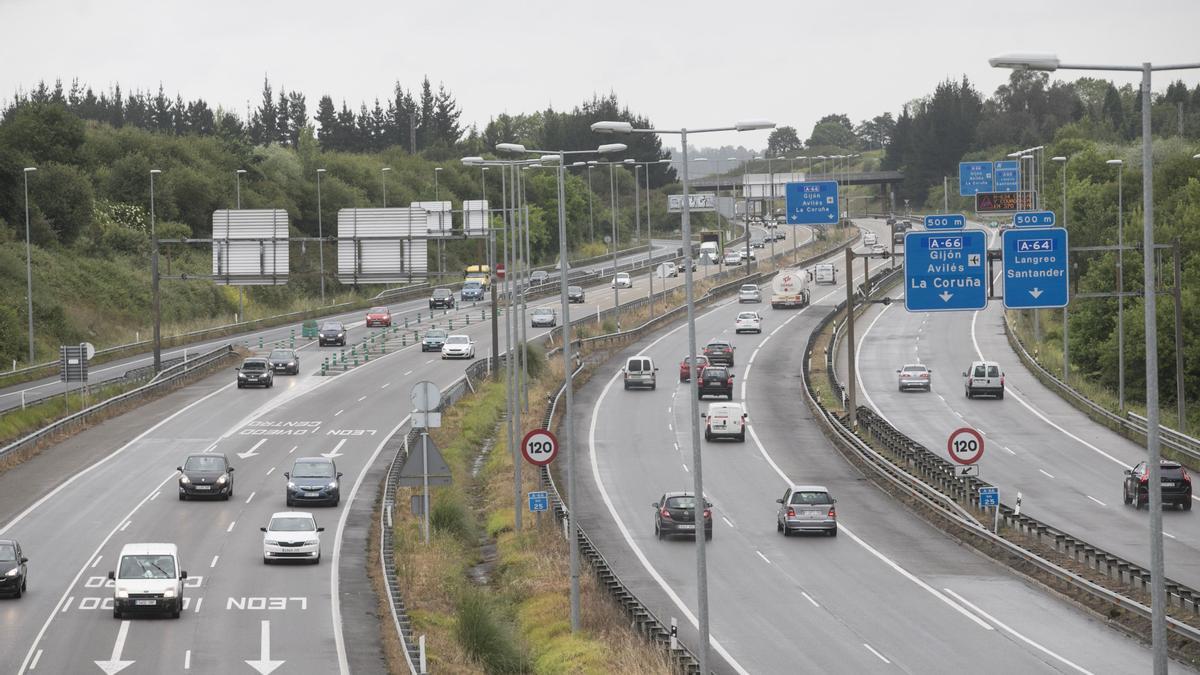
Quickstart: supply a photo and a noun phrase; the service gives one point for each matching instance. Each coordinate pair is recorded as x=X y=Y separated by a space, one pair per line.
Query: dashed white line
x=727 y=521
x=198 y=601
x=388 y=384
x=1009 y=450
x=809 y=598
x=1043 y=472
x=293 y=449
x=760 y=554
x=187 y=659
x=155 y=495
x=214 y=561
x=872 y=650
x=1015 y=633
x=126 y=525
x=1168 y=534
x=407 y=373
x=67 y=605
x=339 y=412
x=670 y=426
x=96 y=561
x=1096 y=500
x=429 y=361
x=361 y=399
x=230 y=528
x=270 y=471
x=36 y=657
x=250 y=497
x=960 y=415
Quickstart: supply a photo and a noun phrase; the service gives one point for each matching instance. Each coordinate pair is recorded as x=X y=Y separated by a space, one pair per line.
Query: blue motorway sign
x=948 y=221
x=539 y=501
x=1033 y=219
x=1035 y=268
x=989 y=496
x=812 y=203
x=1007 y=176
x=974 y=177
x=945 y=271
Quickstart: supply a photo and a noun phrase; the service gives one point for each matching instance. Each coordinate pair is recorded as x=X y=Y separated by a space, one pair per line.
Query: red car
x=684 y=374
x=379 y=316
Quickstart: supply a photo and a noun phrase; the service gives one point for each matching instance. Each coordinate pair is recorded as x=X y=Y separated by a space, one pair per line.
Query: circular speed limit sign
x=539 y=447
x=965 y=445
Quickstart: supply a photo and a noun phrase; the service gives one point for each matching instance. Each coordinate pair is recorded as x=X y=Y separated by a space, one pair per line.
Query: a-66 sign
x=539 y=447
x=965 y=445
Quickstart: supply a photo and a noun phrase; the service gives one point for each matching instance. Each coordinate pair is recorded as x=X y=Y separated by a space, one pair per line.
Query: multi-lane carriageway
x=75 y=505
x=889 y=594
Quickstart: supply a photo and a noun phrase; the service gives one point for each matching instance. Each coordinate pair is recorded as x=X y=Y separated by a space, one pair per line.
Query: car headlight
x=185 y=480
x=13 y=572
x=241 y=376
x=169 y=593
x=291 y=363
x=223 y=479
x=291 y=485
x=123 y=594
x=271 y=542
x=341 y=334
x=332 y=485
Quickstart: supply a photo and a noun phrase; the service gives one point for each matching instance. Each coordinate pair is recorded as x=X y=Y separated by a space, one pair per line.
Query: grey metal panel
x=441 y=218
x=475 y=217
x=377 y=245
x=250 y=247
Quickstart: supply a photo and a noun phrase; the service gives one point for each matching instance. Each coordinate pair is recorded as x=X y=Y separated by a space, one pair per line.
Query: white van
x=725 y=420
x=639 y=371
x=711 y=252
x=825 y=273
x=870 y=239
x=148 y=579
x=984 y=377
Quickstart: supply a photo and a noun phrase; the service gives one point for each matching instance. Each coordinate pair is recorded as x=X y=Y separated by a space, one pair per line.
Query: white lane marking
x=727 y=521
x=96 y=561
x=872 y=650
x=198 y=601
x=66 y=606
x=1009 y=450
x=214 y=561
x=809 y=598
x=685 y=468
x=388 y=384
x=361 y=399
x=339 y=412
x=429 y=362
x=760 y=554
x=272 y=470
x=250 y=497
x=187 y=659
x=1044 y=473
x=1168 y=534
x=293 y=449
x=37 y=657
x=127 y=524
x=406 y=374
x=1096 y=500
x=230 y=528
x=1014 y=633
x=154 y=496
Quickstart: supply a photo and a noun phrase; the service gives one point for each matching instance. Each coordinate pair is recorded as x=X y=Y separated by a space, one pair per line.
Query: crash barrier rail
x=932 y=481
x=139 y=374
x=1133 y=426
x=180 y=374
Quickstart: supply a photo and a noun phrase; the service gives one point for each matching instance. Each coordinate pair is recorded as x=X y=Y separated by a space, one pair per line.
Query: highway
x=1067 y=468
x=75 y=505
x=889 y=594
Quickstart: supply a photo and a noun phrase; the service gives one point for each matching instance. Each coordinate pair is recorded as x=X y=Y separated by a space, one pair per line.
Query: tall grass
x=486 y=635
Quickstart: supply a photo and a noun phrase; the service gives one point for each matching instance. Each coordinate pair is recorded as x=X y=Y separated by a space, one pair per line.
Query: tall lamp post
x=591 y=217
x=28 y=264
x=1066 y=327
x=440 y=243
x=383 y=181
x=1120 y=285
x=697 y=474
x=237 y=184
x=320 y=236
x=1158 y=596
x=154 y=278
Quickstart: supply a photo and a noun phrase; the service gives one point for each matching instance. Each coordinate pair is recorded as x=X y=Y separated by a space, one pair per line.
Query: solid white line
x=1168 y=534
x=1096 y=500
x=872 y=650
x=230 y=528
x=361 y=399
x=763 y=557
x=1009 y=450
x=727 y=521
x=37 y=657
x=96 y=561
x=154 y=496
x=685 y=468
x=388 y=384
x=1024 y=639
x=187 y=659
x=1044 y=473
x=809 y=598
x=270 y=471
x=214 y=561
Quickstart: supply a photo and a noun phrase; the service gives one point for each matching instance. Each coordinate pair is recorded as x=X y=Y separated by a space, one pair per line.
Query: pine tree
x=327 y=120
x=445 y=117
x=282 y=119
x=299 y=117
x=267 y=115
x=425 y=130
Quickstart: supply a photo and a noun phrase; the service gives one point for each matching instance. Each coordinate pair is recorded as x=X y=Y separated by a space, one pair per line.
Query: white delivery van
x=825 y=273
x=710 y=253
x=148 y=579
x=869 y=239
x=725 y=420
x=639 y=371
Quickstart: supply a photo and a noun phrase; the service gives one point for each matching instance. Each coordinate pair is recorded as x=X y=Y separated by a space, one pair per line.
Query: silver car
x=806 y=508
x=915 y=376
x=749 y=293
x=543 y=317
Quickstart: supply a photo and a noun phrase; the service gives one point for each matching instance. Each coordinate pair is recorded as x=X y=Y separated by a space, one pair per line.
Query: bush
x=448 y=516
x=487 y=637
x=535 y=359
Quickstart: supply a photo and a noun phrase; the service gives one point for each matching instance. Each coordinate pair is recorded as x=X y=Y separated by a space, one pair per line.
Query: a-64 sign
x=697 y=201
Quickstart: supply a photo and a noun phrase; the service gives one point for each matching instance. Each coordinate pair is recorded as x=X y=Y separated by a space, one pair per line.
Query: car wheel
x=183 y=497
x=707 y=436
x=239 y=385
x=337 y=501
x=1001 y=396
x=290 y=503
x=116 y=613
x=317 y=560
x=900 y=388
x=833 y=532
x=741 y=437
x=17 y=593
x=708 y=536
x=968 y=392
x=626 y=386
x=266 y=560
x=178 y=608
x=657 y=532
x=1187 y=506
x=1125 y=496
x=653 y=386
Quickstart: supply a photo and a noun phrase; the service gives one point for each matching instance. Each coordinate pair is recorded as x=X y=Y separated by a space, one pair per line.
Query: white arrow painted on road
x=264 y=665
x=1036 y=292
x=946 y=295
x=334 y=453
x=251 y=452
x=115 y=664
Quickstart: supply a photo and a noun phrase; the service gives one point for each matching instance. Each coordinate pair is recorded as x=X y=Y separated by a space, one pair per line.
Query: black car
x=205 y=475
x=719 y=352
x=675 y=513
x=13 y=573
x=575 y=294
x=313 y=480
x=433 y=340
x=257 y=372
x=715 y=381
x=442 y=298
x=285 y=361
x=1176 y=485
x=471 y=290
x=332 y=333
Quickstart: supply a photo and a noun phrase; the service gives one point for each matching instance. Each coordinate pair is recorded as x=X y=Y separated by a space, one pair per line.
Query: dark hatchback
x=1176 y=485
x=719 y=352
x=471 y=290
x=332 y=333
x=255 y=372
x=285 y=361
x=433 y=340
x=442 y=298
x=205 y=475
x=715 y=381
x=575 y=294
x=675 y=513
x=313 y=480
x=13 y=572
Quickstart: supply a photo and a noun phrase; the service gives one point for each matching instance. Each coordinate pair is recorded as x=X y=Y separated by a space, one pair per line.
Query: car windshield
x=458 y=340
x=915 y=368
x=637 y=365
x=147 y=567
x=681 y=502
x=749 y=288
x=254 y=365
x=292 y=524
x=379 y=310
x=441 y=292
x=543 y=312
x=623 y=275
x=332 y=326
x=204 y=463
x=979 y=371
x=747 y=315
x=8 y=552
x=282 y=354
x=715 y=373
x=313 y=470
x=471 y=285
x=993 y=371
x=718 y=345
x=810 y=497
x=439 y=334
x=574 y=289
x=700 y=360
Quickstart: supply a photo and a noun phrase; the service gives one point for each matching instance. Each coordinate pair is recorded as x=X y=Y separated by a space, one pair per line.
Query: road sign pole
x=851 y=405
x=425 y=480
x=996 y=519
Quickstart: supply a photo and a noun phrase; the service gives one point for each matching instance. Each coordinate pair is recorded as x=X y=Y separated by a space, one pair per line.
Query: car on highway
x=433 y=340
x=332 y=333
x=715 y=381
x=292 y=535
x=749 y=293
x=539 y=277
x=622 y=280
x=898 y=238
x=915 y=376
x=681 y=265
x=824 y=273
x=869 y=239
x=984 y=378
x=147 y=579
x=255 y=371
x=543 y=317
x=1176 y=485
x=286 y=361
x=719 y=352
x=746 y=255
x=14 y=573
x=758 y=242
x=458 y=347
x=205 y=475
x=725 y=420
x=471 y=290
x=732 y=259
x=685 y=374
x=575 y=294
x=748 y=322
x=878 y=248
x=442 y=298
x=313 y=480
x=639 y=371
x=379 y=316
x=675 y=513
x=806 y=508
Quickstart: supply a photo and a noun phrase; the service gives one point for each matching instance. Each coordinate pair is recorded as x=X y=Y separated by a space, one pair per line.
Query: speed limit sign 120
x=965 y=445
x=539 y=447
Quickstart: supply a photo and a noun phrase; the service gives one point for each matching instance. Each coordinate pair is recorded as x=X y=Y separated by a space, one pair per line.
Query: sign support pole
x=425 y=479
x=851 y=405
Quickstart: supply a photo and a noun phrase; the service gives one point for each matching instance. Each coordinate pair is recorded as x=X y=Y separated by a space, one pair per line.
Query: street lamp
x=1062 y=161
x=237 y=183
x=320 y=236
x=383 y=182
x=28 y=263
x=697 y=475
x=1158 y=597
x=1120 y=285
x=154 y=278
x=591 y=217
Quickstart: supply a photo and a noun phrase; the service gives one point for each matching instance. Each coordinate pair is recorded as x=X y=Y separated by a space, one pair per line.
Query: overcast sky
x=696 y=63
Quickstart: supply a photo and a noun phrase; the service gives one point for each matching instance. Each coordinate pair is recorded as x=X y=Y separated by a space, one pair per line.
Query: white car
x=292 y=535
x=725 y=420
x=733 y=258
x=622 y=280
x=458 y=347
x=878 y=248
x=748 y=322
x=749 y=293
